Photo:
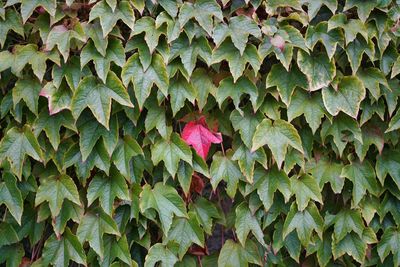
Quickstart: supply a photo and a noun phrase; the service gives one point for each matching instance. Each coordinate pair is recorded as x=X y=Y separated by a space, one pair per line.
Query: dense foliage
x=199 y=133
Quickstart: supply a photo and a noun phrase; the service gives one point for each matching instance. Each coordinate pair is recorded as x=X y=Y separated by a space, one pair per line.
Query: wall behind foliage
x=199 y=133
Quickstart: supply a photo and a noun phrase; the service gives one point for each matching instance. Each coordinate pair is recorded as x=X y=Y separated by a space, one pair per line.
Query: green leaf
x=239 y=29
x=311 y=105
x=7 y=234
x=54 y=190
x=203 y=85
x=152 y=34
x=329 y=38
x=351 y=27
x=51 y=125
x=390 y=242
x=165 y=200
x=62 y=36
x=372 y=78
x=314 y=7
x=116 y=249
x=92 y=228
x=171 y=152
x=388 y=163
x=246 y=124
x=202 y=11
x=268 y=182
x=185 y=232
x=355 y=51
x=339 y=128
x=144 y=79
x=59 y=251
x=245 y=222
x=224 y=168
x=114 y=53
x=109 y=17
x=305 y=188
x=278 y=135
x=11 y=196
x=159 y=252
x=97 y=97
x=326 y=170
x=362 y=175
x=27 y=90
x=180 y=90
x=304 y=222
x=12 y=21
x=346 y=98
x=352 y=245
x=247 y=160
x=347 y=221
x=234 y=254
x=28 y=6
x=123 y=153
x=12 y=255
x=394 y=123
x=107 y=189
x=286 y=81
x=229 y=88
x=363 y=8
x=91 y=131
x=71 y=72
x=318 y=68
x=16 y=144
x=237 y=63
x=206 y=212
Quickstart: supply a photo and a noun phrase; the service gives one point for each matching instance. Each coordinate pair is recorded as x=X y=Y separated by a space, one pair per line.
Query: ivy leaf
x=237 y=63
x=319 y=70
x=202 y=11
x=363 y=8
x=109 y=17
x=51 y=125
x=12 y=21
x=156 y=118
x=234 y=254
x=311 y=105
x=114 y=53
x=388 y=163
x=206 y=212
x=278 y=135
x=97 y=97
x=347 y=221
x=28 y=6
x=152 y=34
x=338 y=128
x=272 y=6
x=315 y=5
x=62 y=36
x=13 y=255
x=27 y=90
x=352 y=245
x=203 y=85
x=362 y=175
x=7 y=234
x=224 y=168
x=165 y=200
x=142 y=79
x=197 y=134
x=304 y=222
x=123 y=153
x=59 y=251
x=286 y=81
x=306 y=188
x=189 y=51
x=160 y=252
x=171 y=152
x=16 y=144
x=91 y=131
x=185 y=232
x=234 y=89
x=246 y=222
x=106 y=189
x=239 y=29
x=268 y=182
x=11 y=196
x=347 y=97
x=247 y=160
x=389 y=243
x=116 y=249
x=372 y=78
x=92 y=228
x=54 y=189
x=180 y=90
x=325 y=170
x=351 y=27
x=246 y=124
x=329 y=38
x=58 y=98
x=355 y=51
x=71 y=72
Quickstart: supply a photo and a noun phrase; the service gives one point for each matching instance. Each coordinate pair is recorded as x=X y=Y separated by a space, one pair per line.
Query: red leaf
x=197 y=184
x=197 y=134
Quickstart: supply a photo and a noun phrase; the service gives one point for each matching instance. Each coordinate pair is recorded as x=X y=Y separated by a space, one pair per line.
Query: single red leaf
x=197 y=134
x=197 y=184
